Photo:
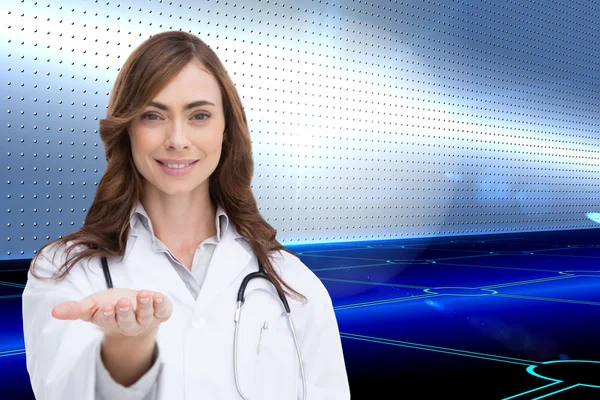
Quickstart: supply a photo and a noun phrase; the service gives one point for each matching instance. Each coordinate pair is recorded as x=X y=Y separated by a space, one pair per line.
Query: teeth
x=177 y=166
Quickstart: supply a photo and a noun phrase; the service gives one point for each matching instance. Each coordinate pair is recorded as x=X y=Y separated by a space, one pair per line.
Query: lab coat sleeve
x=324 y=366
x=61 y=355
x=144 y=389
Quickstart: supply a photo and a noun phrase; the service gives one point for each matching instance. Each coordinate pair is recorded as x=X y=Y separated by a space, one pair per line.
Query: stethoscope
x=238 y=312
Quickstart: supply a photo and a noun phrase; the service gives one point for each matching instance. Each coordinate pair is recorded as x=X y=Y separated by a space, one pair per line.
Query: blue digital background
x=467 y=132
x=451 y=315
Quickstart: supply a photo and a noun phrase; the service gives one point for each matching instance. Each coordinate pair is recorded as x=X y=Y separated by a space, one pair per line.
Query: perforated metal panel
x=369 y=120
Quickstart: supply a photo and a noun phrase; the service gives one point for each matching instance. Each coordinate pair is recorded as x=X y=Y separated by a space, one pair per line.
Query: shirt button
x=198 y=323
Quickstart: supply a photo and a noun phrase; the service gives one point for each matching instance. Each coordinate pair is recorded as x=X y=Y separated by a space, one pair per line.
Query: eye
x=145 y=116
x=205 y=115
x=148 y=116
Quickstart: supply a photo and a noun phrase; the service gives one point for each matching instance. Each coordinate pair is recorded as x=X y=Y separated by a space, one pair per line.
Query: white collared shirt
x=194 y=279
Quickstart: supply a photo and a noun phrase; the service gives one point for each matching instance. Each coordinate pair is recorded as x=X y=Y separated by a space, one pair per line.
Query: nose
x=176 y=137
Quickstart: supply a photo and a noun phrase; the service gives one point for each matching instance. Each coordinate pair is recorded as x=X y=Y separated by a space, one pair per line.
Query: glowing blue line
x=14 y=270
x=579 y=273
x=464 y=241
x=483 y=252
x=372 y=283
x=531 y=370
x=347 y=267
x=500 y=267
x=490 y=287
x=386 y=301
x=518 y=296
x=558 y=391
x=558 y=248
x=431 y=290
x=431 y=261
x=12 y=284
x=12 y=352
x=531 y=391
x=324 y=251
x=345 y=258
x=10 y=296
x=564 y=255
x=438 y=349
x=473 y=256
x=517 y=283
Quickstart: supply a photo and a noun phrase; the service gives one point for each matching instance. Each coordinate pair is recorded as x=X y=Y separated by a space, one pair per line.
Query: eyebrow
x=186 y=107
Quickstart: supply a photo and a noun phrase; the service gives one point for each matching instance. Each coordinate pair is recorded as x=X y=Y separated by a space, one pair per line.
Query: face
x=183 y=124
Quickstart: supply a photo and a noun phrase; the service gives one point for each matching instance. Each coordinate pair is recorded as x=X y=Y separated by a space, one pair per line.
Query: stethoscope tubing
x=238 y=312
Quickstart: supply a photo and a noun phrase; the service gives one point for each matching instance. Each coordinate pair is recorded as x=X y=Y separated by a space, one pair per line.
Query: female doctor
x=176 y=220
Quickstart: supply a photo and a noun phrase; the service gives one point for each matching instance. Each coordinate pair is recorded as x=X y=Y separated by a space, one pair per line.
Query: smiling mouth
x=176 y=166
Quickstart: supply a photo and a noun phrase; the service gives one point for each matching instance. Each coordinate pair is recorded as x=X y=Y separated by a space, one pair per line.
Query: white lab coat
x=196 y=344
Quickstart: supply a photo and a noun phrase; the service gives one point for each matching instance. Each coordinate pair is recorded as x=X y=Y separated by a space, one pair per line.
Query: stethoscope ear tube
x=260 y=274
x=107 y=273
x=240 y=301
x=236 y=319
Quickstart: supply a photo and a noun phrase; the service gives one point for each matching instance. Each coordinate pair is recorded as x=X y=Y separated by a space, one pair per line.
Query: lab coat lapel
x=228 y=261
x=149 y=274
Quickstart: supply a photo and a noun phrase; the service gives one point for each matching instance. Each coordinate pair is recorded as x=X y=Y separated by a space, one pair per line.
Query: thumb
x=83 y=309
x=69 y=310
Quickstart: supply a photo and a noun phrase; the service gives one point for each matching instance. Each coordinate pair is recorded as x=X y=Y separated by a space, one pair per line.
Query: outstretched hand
x=119 y=311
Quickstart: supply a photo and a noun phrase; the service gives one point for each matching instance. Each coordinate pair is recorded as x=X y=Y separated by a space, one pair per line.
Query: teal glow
x=371 y=283
x=386 y=301
x=531 y=370
x=526 y=297
x=429 y=290
x=17 y=285
x=525 y=282
x=437 y=349
x=531 y=391
x=348 y=267
x=593 y=274
x=15 y=352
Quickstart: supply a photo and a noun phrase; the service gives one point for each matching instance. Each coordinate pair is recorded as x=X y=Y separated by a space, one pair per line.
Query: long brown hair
x=147 y=70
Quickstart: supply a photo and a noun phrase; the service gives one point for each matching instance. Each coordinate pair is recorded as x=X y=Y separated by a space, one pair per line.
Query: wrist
x=148 y=335
x=115 y=345
x=127 y=358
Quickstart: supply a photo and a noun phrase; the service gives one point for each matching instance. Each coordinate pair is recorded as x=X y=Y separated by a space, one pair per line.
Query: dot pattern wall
x=369 y=119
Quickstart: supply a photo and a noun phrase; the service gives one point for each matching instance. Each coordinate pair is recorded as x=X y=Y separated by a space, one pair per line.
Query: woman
x=176 y=219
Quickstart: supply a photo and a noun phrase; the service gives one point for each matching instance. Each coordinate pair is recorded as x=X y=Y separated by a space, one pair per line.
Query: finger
x=83 y=309
x=105 y=318
x=162 y=307
x=125 y=316
x=69 y=310
x=145 y=310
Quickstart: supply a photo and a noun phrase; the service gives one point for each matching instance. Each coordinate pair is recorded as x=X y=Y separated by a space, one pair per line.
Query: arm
x=324 y=366
x=60 y=355
x=64 y=357
x=128 y=358
x=144 y=388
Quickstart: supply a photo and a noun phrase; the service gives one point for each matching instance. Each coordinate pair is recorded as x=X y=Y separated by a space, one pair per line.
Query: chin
x=178 y=190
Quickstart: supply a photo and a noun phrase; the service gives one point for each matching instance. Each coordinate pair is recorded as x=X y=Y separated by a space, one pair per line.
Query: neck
x=181 y=221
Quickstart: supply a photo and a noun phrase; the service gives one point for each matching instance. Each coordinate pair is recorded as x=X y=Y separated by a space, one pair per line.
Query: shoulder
x=300 y=277
x=50 y=259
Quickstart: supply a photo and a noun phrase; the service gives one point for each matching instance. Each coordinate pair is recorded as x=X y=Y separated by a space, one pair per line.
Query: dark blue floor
x=512 y=316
